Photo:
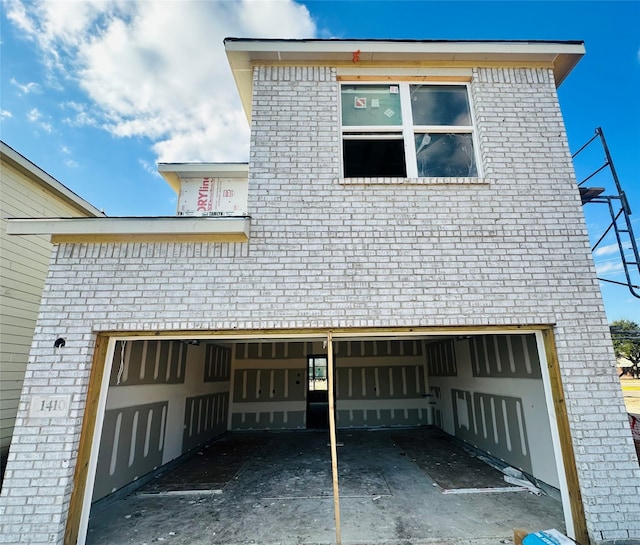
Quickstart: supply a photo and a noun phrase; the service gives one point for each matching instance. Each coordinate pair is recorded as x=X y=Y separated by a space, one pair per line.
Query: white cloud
x=158 y=70
x=17 y=14
x=25 y=88
x=606 y=250
x=609 y=267
x=149 y=167
x=5 y=114
x=33 y=115
x=81 y=115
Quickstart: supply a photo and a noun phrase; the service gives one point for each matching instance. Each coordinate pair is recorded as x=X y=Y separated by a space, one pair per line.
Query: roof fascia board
x=143 y=229
x=423 y=48
x=48 y=182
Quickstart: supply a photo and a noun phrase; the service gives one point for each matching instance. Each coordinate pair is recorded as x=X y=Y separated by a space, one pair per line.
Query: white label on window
x=50 y=406
x=360 y=102
x=375 y=103
x=389 y=112
x=393 y=89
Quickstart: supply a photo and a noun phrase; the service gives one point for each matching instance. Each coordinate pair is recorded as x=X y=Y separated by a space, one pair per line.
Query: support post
x=332 y=438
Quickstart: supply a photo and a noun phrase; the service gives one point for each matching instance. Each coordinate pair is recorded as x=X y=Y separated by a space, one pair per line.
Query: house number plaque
x=50 y=406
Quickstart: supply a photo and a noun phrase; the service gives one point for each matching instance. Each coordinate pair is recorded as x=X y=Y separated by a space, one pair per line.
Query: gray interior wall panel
x=277 y=393
x=268 y=420
x=246 y=388
x=441 y=360
x=494 y=424
x=380 y=382
x=217 y=363
x=148 y=362
x=131 y=446
x=505 y=356
x=435 y=394
x=377 y=383
x=269 y=392
x=272 y=351
x=205 y=418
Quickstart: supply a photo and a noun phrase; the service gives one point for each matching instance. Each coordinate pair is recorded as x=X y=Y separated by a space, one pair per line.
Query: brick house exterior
x=505 y=250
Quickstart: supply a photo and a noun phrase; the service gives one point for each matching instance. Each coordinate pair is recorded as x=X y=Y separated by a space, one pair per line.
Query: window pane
x=372 y=158
x=367 y=105
x=440 y=105
x=445 y=155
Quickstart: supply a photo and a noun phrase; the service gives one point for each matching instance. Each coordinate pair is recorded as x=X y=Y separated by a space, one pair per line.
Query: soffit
x=173 y=173
x=244 y=54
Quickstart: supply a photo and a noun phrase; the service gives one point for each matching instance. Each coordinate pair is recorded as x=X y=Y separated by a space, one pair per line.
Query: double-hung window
x=407 y=130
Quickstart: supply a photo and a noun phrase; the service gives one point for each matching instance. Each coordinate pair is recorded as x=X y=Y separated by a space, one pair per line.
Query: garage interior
x=212 y=440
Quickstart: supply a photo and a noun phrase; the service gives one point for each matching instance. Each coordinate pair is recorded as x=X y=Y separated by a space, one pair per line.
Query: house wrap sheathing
x=410 y=205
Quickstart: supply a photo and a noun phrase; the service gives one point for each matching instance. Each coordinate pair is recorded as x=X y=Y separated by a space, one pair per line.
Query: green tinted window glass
x=369 y=105
x=445 y=155
x=440 y=105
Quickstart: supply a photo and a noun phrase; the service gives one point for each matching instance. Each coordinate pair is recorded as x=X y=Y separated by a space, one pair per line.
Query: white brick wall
x=510 y=248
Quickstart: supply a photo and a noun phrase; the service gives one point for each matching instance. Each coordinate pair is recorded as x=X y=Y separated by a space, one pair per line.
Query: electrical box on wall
x=208 y=189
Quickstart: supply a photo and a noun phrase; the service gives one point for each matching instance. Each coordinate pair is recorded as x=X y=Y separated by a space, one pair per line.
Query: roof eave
x=174 y=172
x=135 y=229
x=244 y=53
x=45 y=180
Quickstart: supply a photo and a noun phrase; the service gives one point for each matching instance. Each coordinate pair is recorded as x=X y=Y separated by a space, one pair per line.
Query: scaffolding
x=619 y=213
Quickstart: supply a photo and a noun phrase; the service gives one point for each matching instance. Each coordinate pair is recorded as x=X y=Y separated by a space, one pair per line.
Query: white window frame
x=407 y=130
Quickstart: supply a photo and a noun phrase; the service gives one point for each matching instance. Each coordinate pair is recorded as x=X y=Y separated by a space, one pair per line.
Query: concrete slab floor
x=283 y=495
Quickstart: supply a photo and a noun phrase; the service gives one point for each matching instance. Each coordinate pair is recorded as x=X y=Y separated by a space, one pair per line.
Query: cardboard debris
x=518 y=535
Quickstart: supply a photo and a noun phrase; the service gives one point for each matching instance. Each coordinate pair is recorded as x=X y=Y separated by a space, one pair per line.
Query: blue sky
x=97 y=92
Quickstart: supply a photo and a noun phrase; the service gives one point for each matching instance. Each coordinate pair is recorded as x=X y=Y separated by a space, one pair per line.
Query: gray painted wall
x=380 y=383
x=269 y=385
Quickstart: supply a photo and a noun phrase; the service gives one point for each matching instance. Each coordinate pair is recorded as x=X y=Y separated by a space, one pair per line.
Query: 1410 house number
x=50 y=406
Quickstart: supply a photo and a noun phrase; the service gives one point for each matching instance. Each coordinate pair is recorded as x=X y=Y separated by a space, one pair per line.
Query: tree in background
x=626 y=344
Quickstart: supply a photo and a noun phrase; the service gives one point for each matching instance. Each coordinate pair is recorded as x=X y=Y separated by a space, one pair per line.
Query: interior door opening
x=317 y=393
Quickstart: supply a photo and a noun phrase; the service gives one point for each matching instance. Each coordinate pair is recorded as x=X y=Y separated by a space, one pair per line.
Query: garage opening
x=440 y=436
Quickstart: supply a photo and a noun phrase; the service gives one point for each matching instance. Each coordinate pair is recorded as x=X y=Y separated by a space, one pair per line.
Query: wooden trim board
x=566 y=445
x=332 y=438
x=86 y=440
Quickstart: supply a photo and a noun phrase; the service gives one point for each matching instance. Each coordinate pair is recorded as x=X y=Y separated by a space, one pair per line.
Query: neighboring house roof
x=244 y=53
x=11 y=157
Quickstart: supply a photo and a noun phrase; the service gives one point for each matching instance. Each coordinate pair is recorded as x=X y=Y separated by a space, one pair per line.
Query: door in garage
x=317 y=392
